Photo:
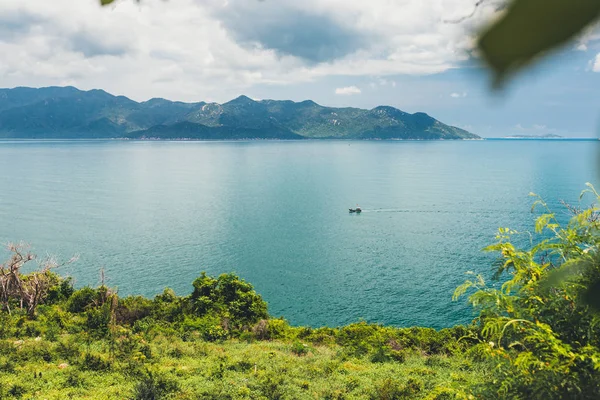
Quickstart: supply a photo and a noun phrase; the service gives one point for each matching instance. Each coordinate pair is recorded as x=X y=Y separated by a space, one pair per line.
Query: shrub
x=35 y=351
x=6 y=325
x=413 y=387
x=228 y=296
x=98 y=320
x=208 y=327
x=95 y=362
x=7 y=365
x=82 y=299
x=299 y=348
x=241 y=366
x=17 y=391
x=271 y=386
x=443 y=393
x=30 y=328
x=61 y=291
x=168 y=307
x=386 y=354
x=132 y=309
x=388 y=389
x=52 y=332
x=68 y=349
x=154 y=387
x=74 y=379
x=269 y=329
x=323 y=335
x=437 y=361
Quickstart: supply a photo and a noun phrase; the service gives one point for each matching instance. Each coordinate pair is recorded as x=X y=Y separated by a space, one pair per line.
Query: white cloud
x=456 y=95
x=347 y=91
x=596 y=63
x=193 y=49
x=588 y=38
x=382 y=82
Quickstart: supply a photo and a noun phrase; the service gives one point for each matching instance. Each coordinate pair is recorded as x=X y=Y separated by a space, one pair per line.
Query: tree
x=30 y=290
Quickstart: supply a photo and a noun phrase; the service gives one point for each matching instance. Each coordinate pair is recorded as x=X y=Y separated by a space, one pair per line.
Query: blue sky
x=348 y=53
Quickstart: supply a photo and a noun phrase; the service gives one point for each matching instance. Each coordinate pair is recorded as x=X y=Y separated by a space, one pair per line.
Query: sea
x=155 y=214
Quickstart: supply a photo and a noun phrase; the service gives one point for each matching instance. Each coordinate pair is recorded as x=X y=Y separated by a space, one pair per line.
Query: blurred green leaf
x=106 y=2
x=592 y=296
x=530 y=28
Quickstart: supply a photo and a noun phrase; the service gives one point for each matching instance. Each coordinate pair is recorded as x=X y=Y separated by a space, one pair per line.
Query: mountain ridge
x=68 y=112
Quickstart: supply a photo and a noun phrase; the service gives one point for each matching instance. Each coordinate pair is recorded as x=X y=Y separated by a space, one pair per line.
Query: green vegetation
x=541 y=327
x=216 y=343
x=536 y=337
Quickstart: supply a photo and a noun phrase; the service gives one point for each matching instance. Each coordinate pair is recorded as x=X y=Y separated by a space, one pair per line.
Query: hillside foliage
x=216 y=343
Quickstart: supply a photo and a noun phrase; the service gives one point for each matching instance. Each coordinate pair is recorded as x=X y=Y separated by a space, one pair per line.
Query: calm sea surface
x=156 y=214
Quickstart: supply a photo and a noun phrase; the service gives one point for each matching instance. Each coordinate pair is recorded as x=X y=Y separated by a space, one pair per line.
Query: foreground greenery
x=217 y=343
x=536 y=336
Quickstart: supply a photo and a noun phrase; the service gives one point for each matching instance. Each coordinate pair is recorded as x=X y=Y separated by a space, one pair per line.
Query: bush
x=74 y=379
x=60 y=292
x=30 y=328
x=168 y=307
x=68 y=349
x=386 y=354
x=388 y=389
x=299 y=348
x=36 y=351
x=230 y=297
x=95 y=362
x=154 y=387
x=82 y=299
x=271 y=386
x=97 y=321
x=52 y=332
x=17 y=391
x=323 y=335
x=6 y=325
x=209 y=328
x=7 y=365
x=269 y=329
x=443 y=393
x=132 y=309
x=437 y=361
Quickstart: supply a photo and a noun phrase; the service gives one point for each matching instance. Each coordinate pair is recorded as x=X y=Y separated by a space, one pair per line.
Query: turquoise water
x=156 y=214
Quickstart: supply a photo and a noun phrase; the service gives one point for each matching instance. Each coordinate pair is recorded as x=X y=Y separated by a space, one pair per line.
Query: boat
x=355 y=210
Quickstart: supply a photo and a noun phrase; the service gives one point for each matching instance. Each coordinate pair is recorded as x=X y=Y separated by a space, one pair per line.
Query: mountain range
x=67 y=112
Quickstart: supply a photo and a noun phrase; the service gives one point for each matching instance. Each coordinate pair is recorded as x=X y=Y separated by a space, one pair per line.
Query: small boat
x=355 y=210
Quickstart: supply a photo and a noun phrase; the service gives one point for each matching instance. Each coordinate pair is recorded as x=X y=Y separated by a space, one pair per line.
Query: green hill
x=67 y=112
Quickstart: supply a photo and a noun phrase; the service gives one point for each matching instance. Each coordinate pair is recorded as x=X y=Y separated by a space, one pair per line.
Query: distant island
x=546 y=136
x=70 y=113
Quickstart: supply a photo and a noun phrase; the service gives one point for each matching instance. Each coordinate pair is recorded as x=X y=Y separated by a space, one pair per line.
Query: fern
x=541 y=328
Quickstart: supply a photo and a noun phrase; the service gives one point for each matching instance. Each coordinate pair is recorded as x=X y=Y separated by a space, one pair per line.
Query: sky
x=416 y=55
